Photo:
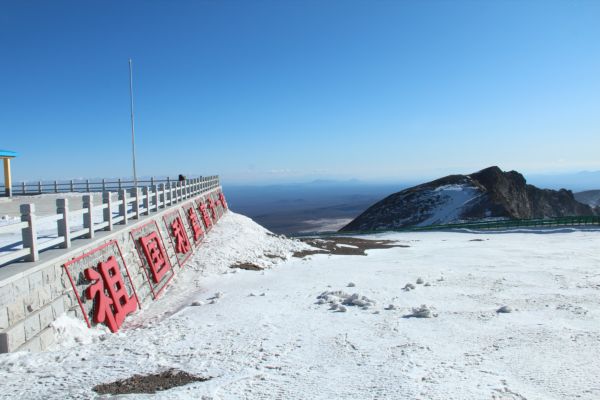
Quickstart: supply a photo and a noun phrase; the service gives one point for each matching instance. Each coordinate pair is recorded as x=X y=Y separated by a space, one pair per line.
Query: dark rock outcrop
x=487 y=194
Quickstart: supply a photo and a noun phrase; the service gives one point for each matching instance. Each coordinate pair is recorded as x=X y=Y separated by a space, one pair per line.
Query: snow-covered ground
x=273 y=334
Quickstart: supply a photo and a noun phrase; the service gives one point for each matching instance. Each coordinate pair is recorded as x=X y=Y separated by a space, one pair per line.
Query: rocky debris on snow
x=338 y=299
x=571 y=308
x=420 y=281
x=247 y=266
x=391 y=307
x=274 y=256
x=341 y=309
x=215 y=297
x=504 y=310
x=427 y=284
x=342 y=245
x=421 y=312
x=351 y=284
x=408 y=287
x=151 y=383
x=197 y=303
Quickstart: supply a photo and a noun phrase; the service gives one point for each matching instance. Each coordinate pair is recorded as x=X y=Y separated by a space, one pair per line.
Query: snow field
x=264 y=335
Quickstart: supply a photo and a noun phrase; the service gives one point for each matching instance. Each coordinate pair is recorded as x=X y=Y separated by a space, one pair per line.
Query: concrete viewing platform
x=45 y=204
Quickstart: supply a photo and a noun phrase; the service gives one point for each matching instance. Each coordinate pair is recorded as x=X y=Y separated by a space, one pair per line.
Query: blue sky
x=275 y=91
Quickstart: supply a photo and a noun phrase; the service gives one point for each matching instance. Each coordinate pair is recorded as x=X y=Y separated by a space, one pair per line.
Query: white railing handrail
x=87 y=185
x=143 y=201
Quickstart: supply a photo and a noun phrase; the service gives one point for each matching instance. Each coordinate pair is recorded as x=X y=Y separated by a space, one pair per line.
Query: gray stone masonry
x=34 y=296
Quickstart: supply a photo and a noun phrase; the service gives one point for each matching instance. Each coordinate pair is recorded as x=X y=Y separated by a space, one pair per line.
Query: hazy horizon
x=282 y=91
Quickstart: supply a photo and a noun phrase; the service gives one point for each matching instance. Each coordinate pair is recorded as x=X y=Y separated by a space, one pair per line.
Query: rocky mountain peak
x=487 y=194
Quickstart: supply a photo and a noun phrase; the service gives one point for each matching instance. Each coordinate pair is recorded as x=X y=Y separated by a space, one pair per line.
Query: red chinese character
x=155 y=255
x=222 y=200
x=182 y=244
x=205 y=217
x=112 y=303
x=194 y=223
x=213 y=208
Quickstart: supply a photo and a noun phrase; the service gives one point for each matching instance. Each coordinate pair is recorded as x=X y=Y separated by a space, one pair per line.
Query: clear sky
x=261 y=91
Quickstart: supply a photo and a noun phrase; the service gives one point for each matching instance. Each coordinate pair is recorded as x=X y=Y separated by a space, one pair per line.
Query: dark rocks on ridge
x=484 y=195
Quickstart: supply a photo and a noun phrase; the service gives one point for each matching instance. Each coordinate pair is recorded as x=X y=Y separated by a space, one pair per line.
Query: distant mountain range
x=487 y=194
x=576 y=181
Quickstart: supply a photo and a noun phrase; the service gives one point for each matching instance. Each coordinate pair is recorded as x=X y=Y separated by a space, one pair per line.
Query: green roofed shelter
x=6 y=156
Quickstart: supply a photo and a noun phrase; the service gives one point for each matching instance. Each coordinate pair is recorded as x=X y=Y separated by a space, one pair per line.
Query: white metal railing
x=83 y=185
x=131 y=204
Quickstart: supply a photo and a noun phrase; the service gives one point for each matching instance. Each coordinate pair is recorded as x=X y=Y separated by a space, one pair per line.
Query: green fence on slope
x=481 y=225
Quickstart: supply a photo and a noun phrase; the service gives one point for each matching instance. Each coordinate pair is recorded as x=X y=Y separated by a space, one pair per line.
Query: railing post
x=55 y=187
x=120 y=184
x=155 y=198
x=40 y=187
x=72 y=186
x=168 y=181
x=23 y=187
x=162 y=203
x=123 y=205
x=29 y=234
x=107 y=212
x=151 y=181
x=136 y=203
x=169 y=194
x=103 y=185
x=88 y=217
x=146 y=201
x=87 y=185
x=62 y=225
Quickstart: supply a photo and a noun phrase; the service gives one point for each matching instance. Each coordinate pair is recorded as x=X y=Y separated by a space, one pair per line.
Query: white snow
x=7 y=220
x=451 y=203
x=349 y=246
x=285 y=345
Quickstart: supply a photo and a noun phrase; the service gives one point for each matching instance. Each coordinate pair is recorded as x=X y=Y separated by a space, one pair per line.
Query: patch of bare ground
x=247 y=266
x=273 y=256
x=151 y=383
x=343 y=245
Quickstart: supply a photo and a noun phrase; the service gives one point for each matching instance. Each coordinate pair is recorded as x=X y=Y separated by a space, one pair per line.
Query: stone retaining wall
x=32 y=297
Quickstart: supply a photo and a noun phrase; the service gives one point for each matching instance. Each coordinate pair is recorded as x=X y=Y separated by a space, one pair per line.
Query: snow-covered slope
x=264 y=335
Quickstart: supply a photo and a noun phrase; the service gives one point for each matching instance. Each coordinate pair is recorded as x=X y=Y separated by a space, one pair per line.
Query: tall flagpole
x=135 y=181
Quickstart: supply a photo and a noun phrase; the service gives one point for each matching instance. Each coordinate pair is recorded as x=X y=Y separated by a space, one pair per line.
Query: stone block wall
x=33 y=297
